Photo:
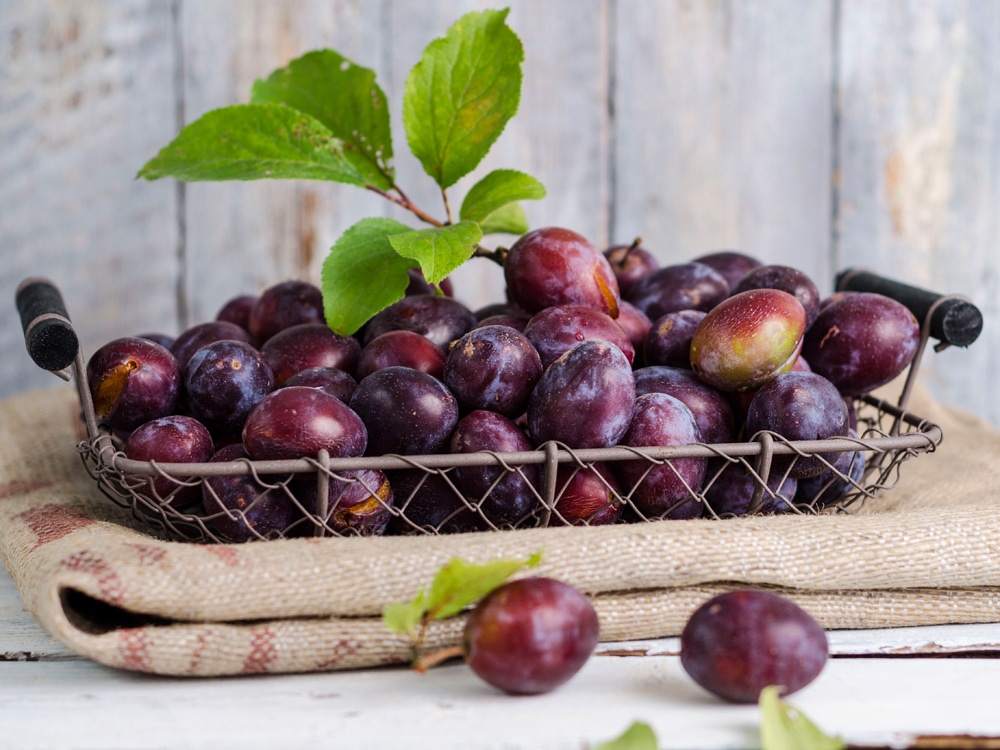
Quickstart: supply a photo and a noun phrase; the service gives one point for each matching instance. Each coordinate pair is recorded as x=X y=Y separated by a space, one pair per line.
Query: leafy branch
x=323 y=117
x=457 y=585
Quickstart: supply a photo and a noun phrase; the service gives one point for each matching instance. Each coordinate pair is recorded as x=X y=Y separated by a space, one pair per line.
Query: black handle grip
x=48 y=334
x=955 y=321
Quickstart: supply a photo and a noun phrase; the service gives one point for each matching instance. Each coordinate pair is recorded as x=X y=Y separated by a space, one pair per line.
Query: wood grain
x=820 y=135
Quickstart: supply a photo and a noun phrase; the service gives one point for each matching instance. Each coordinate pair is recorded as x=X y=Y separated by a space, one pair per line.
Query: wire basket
x=319 y=495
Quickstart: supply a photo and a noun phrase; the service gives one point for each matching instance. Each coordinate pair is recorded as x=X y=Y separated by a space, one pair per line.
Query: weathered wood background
x=816 y=134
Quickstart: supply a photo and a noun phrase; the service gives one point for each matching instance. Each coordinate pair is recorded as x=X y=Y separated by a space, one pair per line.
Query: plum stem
x=429 y=661
x=498 y=256
x=447 y=206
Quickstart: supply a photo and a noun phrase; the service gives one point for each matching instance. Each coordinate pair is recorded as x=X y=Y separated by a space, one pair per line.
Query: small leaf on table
x=639 y=736
x=783 y=727
x=460 y=584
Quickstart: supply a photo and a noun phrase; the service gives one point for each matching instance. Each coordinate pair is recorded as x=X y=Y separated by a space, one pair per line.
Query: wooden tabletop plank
x=864 y=700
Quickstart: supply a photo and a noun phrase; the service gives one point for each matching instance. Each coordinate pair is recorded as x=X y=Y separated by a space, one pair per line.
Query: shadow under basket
x=322 y=496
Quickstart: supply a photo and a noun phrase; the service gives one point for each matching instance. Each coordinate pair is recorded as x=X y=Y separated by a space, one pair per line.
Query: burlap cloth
x=926 y=552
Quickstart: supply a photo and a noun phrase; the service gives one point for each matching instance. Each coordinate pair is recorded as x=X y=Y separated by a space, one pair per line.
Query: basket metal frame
x=889 y=435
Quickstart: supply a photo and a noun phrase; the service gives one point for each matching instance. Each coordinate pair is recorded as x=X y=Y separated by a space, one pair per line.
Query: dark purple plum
x=401 y=349
x=237 y=310
x=829 y=486
x=630 y=263
x=171 y=439
x=132 y=381
x=242 y=508
x=517 y=322
x=203 y=334
x=419 y=285
x=669 y=339
x=297 y=421
x=224 y=381
x=555 y=266
x=586 y=496
x=429 y=503
x=748 y=339
x=284 y=305
x=494 y=368
x=798 y=406
x=861 y=341
x=662 y=491
x=531 y=635
x=504 y=497
x=739 y=642
x=710 y=407
x=306 y=345
x=162 y=339
x=636 y=325
x=731 y=264
x=440 y=319
x=584 y=399
x=787 y=279
x=732 y=490
x=685 y=286
x=357 y=505
x=328 y=379
x=406 y=411
x=500 y=308
x=555 y=330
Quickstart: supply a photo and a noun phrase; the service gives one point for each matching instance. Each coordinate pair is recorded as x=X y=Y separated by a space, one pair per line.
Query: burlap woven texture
x=927 y=552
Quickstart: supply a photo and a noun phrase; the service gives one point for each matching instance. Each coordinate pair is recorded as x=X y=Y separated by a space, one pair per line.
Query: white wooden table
x=882 y=688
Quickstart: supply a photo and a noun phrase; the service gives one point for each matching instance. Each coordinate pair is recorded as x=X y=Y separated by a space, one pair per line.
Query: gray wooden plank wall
x=819 y=134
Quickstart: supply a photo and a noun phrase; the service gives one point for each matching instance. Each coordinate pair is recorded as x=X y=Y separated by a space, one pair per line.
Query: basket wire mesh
x=887 y=436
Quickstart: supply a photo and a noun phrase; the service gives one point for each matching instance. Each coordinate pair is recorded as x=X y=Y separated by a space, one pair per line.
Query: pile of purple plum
x=591 y=349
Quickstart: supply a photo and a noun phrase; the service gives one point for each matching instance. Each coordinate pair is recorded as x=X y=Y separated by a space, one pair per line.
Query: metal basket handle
x=48 y=333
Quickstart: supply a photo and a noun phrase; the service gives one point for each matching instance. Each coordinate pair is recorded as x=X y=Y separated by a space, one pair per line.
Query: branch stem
x=404 y=202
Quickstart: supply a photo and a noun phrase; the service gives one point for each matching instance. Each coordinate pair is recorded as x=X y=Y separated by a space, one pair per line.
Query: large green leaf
x=363 y=274
x=345 y=98
x=498 y=189
x=439 y=250
x=458 y=98
x=254 y=142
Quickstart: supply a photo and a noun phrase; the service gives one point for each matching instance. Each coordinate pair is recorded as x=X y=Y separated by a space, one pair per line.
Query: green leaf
x=404 y=617
x=345 y=98
x=498 y=189
x=509 y=219
x=783 y=727
x=439 y=250
x=639 y=736
x=458 y=98
x=460 y=584
x=363 y=274
x=254 y=142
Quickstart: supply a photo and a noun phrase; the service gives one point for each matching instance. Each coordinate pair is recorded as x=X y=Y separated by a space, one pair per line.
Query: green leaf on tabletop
x=254 y=142
x=439 y=250
x=344 y=97
x=784 y=727
x=404 y=617
x=639 y=736
x=363 y=274
x=458 y=98
x=499 y=188
x=509 y=219
x=460 y=584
